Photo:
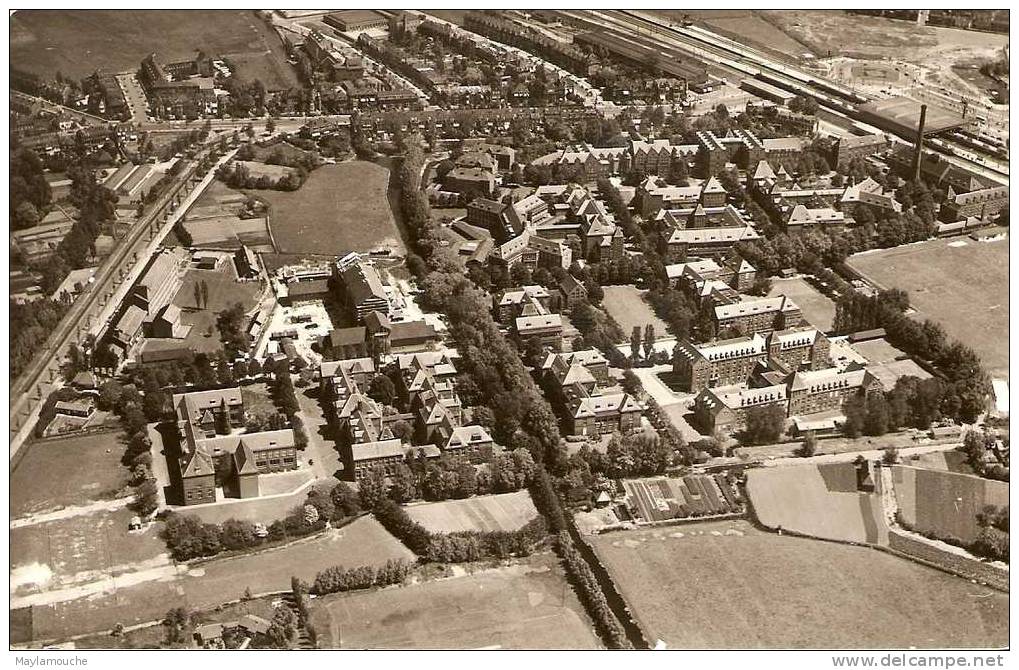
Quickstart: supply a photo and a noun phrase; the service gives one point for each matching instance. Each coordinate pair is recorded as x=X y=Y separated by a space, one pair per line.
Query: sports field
x=506 y=511
x=817 y=308
x=964 y=288
x=341 y=208
x=206 y=585
x=626 y=305
x=76 y=43
x=80 y=549
x=723 y=585
x=945 y=503
x=527 y=605
x=67 y=471
x=800 y=499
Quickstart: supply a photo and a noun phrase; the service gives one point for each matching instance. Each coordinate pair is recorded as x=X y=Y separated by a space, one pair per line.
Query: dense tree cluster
x=238 y=176
x=975 y=446
x=230 y=323
x=31 y=324
x=29 y=192
x=445 y=477
x=765 y=424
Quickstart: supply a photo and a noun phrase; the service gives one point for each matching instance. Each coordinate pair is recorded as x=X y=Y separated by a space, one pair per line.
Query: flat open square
x=964 y=288
x=523 y=606
x=626 y=305
x=727 y=585
x=224 y=291
x=342 y=207
x=68 y=471
x=507 y=511
x=817 y=308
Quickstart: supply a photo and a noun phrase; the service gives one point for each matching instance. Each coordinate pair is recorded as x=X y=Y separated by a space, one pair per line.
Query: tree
x=403 y=485
x=764 y=424
x=809 y=446
x=649 y=340
x=890 y=457
x=198 y=295
x=635 y=343
x=205 y=294
x=382 y=390
x=222 y=419
x=345 y=500
x=631 y=382
x=372 y=489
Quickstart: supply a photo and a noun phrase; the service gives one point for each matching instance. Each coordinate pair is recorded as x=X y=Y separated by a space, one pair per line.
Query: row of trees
x=31 y=324
x=458 y=547
x=337 y=579
x=966 y=384
x=187 y=537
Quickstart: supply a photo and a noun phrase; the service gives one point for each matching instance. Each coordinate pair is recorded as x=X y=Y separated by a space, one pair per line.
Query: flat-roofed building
x=356 y=20
x=547 y=329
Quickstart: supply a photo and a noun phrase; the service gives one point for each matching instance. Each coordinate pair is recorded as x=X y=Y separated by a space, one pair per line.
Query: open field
x=341 y=208
x=76 y=43
x=507 y=511
x=206 y=585
x=626 y=305
x=945 y=503
x=745 y=26
x=258 y=169
x=61 y=553
x=527 y=605
x=67 y=471
x=800 y=499
x=817 y=308
x=224 y=292
x=214 y=221
x=964 y=288
x=728 y=585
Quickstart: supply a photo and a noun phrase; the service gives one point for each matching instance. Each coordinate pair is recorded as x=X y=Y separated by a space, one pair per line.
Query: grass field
x=817 y=308
x=507 y=511
x=746 y=26
x=257 y=169
x=340 y=208
x=78 y=549
x=224 y=292
x=209 y=584
x=964 y=288
x=726 y=585
x=800 y=499
x=945 y=503
x=626 y=305
x=523 y=606
x=67 y=471
x=76 y=43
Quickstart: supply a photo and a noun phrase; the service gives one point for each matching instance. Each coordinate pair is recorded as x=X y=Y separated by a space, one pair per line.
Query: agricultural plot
x=964 y=288
x=663 y=498
x=76 y=43
x=725 y=585
x=214 y=221
x=945 y=503
x=527 y=605
x=507 y=511
x=67 y=471
x=798 y=498
x=817 y=308
x=627 y=306
x=340 y=208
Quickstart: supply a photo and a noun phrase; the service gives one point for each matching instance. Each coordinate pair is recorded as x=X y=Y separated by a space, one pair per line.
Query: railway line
x=741 y=61
x=91 y=313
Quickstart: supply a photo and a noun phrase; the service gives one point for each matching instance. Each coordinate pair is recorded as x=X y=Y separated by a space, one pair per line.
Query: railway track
x=742 y=61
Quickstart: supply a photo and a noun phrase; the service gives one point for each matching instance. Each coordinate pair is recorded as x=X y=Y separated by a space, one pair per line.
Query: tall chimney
x=918 y=158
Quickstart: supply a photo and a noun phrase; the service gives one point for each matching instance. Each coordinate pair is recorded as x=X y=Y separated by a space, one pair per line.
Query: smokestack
x=918 y=158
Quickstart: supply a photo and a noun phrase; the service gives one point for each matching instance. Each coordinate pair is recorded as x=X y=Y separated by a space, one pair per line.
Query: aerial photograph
x=509 y=329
